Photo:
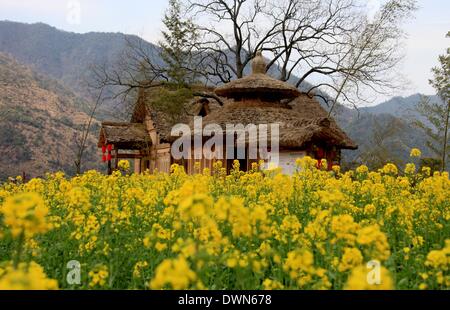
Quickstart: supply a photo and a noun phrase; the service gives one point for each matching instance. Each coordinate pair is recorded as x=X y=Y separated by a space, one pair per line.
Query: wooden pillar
x=137 y=164
x=116 y=158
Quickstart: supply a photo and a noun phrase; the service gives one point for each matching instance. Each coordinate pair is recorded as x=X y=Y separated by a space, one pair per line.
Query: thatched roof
x=258 y=84
x=310 y=108
x=124 y=135
x=305 y=122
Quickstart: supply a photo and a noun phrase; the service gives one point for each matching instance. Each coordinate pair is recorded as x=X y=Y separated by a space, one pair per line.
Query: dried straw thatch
x=258 y=83
x=296 y=128
x=124 y=135
x=310 y=108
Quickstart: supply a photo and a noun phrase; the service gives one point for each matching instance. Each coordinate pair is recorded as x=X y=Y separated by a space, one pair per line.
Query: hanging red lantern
x=109 y=147
x=109 y=157
x=320 y=153
x=103 y=158
x=104 y=149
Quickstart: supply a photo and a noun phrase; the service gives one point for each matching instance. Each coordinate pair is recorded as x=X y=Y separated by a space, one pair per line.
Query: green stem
x=19 y=249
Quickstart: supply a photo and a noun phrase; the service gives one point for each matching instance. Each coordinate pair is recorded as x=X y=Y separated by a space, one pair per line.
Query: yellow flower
x=390 y=169
x=98 y=276
x=79 y=197
x=299 y=261
x=173 y=273
x=270 y=284
x=25 y=277
x=370 y=209
x=232 y=262
x=160 y=246
x=410 y=169
x=361 y=279
x=25 y=213
x=375 y=242
x=138 y=267
x=344 y=227
x=124 y=165
x=336 y=169
x=314 y=229
x=415 y=153
x=362 y=169
x=438 y=260
x=352 y=258
x=306 y=163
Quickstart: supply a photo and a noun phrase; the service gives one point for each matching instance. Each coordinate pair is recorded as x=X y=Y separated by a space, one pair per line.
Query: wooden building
x=304 y=126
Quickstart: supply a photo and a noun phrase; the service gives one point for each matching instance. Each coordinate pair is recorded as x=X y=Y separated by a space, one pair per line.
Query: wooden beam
x=116 y=158
x=129 y=156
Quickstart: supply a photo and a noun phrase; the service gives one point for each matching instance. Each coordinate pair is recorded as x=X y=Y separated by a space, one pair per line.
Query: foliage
x=315 y=229
x=175 y=49
x=378 y=151
x=381 y=138
x=171 y=100
x=433 y=163
x=438 y=113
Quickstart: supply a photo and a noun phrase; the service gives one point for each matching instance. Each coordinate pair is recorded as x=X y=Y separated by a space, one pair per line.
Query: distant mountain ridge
x=403 y=107
x=65 y=56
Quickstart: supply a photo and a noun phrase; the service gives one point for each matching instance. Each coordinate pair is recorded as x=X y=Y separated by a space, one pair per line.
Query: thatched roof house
x=304 y=125
x=124 y=135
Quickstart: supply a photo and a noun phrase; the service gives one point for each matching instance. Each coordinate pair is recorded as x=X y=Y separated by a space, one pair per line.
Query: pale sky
x=143 y=17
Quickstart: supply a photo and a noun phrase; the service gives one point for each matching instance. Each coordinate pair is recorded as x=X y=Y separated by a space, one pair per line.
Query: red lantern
x=104 y=149
x=109 y=157
x=104 y=158
x=109 y=147
x=320 y=153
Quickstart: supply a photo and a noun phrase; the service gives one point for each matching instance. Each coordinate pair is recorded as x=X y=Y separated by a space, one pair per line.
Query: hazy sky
x=143 y=17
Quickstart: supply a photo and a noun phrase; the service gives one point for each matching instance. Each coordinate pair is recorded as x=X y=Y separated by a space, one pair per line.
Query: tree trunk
x=239 y=67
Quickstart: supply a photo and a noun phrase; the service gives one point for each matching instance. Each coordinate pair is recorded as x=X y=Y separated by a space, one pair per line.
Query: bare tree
x=329 y=40
x=348 y=55
x=136 y=68
x=143 y=66
x=377 y=150
x=81 y=139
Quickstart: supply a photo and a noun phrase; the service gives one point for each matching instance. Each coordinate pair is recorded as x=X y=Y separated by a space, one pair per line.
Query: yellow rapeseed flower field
x=257 y=230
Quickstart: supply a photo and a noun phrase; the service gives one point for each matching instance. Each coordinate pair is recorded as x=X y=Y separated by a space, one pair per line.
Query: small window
x=203 y=112
x=205 y=107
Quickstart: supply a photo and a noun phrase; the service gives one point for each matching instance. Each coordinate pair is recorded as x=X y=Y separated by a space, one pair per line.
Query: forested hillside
x=39 y=122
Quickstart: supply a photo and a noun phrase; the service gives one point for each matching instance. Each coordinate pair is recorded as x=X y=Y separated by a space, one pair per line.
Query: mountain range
x=44 y=77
